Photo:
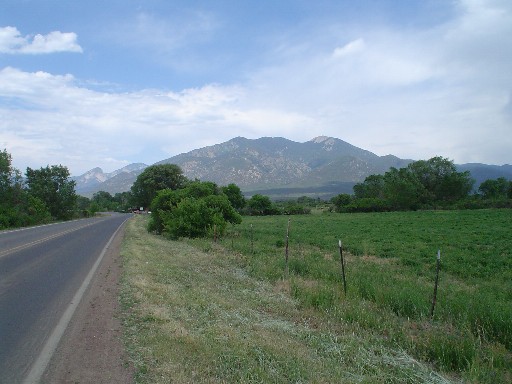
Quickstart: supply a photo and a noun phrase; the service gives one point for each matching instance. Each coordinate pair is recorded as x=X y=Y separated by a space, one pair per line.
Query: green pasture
x=193 y=314
x=390 y=261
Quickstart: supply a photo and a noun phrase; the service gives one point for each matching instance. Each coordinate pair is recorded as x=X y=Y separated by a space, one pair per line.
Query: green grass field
x=390 y=263
x=390 y=266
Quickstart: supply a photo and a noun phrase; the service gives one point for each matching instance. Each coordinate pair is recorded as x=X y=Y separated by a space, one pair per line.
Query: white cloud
x=349 y=48
x=10 y=39
x=12 y=42
x=477 y=45
x=47 y=117
x=416 y=93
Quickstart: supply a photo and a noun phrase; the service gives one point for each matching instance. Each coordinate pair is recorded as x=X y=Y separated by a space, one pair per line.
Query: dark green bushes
x=198 y=210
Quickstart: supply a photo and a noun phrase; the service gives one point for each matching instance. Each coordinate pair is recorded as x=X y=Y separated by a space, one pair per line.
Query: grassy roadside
x=193 y=315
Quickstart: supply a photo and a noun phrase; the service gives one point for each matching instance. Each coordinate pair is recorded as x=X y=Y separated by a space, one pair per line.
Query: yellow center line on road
x=31 y=244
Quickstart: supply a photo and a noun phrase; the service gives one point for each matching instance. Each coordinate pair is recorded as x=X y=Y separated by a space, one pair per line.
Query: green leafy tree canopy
x=235 y=196
x=194 y=211
x=495 y=189
x=260 y=205
x=156 y=178
x=54 y=188
x=422 y=183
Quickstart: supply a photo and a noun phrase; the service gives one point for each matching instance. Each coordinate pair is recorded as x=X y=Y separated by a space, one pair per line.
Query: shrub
x=368 y=204
x=193 y=211
x=260 y=205
x=292 y=208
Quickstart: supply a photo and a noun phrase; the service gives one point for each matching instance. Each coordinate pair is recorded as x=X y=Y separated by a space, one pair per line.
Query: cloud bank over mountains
x=433 y=86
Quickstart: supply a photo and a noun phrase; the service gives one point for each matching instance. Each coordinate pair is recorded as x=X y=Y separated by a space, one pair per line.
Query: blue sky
x=109 y=83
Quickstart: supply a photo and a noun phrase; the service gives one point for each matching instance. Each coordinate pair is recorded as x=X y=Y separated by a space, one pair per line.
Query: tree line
x=424 y=184
x=48 y=194
x=43 y=195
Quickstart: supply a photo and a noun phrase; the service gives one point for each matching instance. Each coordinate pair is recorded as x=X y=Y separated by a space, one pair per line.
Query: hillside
x=274 y=165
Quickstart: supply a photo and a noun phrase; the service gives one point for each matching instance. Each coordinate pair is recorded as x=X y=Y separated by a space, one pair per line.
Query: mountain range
x=276 y=167
x=96 y=180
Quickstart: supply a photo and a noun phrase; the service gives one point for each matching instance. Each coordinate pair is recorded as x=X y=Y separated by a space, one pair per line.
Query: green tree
x=422 y=183
x=52 y=186
x=123 y=200
x=156 y=178
x=219 y=205
x=37 y=211
x=200 y=189
x=495 y=189
x=235 y=196
x=260 y=205
x=440 y=180
x=341 y=201
x=189 y=218
x=165 y=201
x=372 y=187
x=17 y=207
x=402 y=189
x=6 y=173
x=94 y=208
x=30 y=211
x=10 y=181
x=104 y=200
x=82 y=206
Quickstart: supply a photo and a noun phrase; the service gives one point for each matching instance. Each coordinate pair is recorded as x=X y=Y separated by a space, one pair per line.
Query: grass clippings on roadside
x=193 y=315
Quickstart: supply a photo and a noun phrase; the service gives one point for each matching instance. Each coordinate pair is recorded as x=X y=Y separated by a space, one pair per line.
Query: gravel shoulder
x=91 y=350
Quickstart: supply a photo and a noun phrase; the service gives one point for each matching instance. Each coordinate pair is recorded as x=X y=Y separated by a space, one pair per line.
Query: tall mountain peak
x=96 y=180
x=274 y=162
x=321 y=139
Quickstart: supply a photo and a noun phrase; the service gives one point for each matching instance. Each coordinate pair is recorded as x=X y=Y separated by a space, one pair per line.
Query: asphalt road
x=41 y=270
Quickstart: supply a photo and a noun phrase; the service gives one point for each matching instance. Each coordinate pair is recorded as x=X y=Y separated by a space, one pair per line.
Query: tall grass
x=391 y=265
x=193 y=314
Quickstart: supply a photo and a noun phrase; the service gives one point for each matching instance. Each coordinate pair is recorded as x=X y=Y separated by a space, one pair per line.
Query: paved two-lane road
x=41 y=270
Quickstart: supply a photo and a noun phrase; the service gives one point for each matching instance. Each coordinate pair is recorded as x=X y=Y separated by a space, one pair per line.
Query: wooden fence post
x=252 y=240
x=342 y=268
x=286 y=249
x=438 y=262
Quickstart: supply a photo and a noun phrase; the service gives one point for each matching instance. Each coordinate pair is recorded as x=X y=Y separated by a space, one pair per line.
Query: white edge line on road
x=39 y=366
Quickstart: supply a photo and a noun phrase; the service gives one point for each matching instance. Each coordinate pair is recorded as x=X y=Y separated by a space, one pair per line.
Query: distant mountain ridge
x=276 y=162
x=482 y=172
x=322 y=167
x=96 y=180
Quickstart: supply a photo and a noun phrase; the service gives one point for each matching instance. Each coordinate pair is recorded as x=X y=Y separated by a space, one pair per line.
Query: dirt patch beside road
x=91 y=349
